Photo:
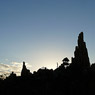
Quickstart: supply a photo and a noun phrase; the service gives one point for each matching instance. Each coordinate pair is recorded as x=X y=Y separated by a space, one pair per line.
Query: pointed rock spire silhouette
x=81 y=54
x=25 y=71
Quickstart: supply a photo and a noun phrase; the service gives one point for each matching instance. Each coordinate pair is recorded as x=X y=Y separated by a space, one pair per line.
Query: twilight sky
x=43 y=32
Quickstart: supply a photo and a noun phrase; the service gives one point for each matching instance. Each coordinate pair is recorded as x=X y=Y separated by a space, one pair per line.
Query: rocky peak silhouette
x=25 y=71
x=75 y=79
x=81 y=54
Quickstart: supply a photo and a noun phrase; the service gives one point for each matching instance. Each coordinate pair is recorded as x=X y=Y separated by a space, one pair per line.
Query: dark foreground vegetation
x=75 y=78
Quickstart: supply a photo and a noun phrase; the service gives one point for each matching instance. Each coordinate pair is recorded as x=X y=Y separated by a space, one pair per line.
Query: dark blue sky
x=43 y=32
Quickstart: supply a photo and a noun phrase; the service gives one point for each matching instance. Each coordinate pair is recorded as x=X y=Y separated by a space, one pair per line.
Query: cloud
x=16 y=67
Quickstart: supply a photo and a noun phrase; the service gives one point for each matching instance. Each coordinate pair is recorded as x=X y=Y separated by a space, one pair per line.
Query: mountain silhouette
x=75 y=78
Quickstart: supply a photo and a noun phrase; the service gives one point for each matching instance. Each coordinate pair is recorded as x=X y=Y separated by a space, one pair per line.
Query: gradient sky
x=43 y=32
